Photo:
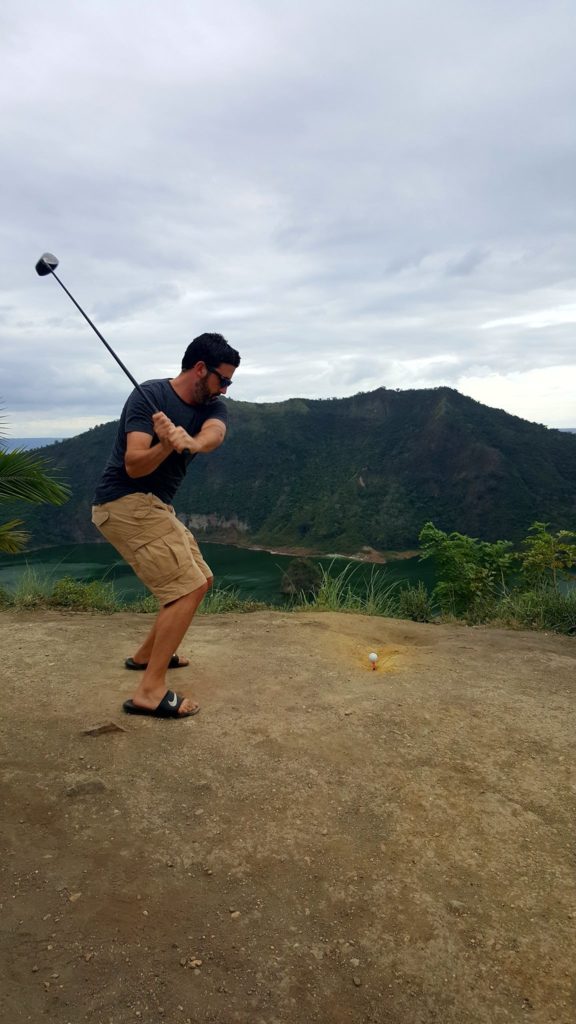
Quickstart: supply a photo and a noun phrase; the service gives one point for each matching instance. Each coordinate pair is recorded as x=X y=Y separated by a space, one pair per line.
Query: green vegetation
x=23 y=478
x=302 y=576
x=478 y=582
x=36 y=590
x=415 y=603
x=340 y=593
x=547 y=557
x=227 y=599
x=338 y=475
x=473 y=573
x=491 y=583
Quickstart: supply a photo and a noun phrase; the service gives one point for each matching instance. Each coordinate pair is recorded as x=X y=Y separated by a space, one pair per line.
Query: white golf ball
x=373 y=657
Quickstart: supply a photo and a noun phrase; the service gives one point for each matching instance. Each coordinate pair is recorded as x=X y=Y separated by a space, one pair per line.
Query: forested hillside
x=341 y=474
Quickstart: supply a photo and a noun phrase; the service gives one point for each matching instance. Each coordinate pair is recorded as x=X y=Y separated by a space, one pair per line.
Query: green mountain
x=339 y=475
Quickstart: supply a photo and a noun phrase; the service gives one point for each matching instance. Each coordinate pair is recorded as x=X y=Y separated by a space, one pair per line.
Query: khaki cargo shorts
x=162 y=552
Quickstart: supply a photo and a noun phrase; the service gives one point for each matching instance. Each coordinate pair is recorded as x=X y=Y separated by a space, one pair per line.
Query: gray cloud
x=349 y=194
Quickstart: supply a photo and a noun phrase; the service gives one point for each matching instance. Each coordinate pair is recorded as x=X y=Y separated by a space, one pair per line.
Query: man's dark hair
x=211 y=349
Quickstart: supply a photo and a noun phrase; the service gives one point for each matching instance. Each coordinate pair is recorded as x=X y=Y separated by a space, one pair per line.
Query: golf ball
x=373 y=657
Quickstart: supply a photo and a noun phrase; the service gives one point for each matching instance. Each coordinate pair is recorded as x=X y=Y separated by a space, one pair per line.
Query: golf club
x=47 y=265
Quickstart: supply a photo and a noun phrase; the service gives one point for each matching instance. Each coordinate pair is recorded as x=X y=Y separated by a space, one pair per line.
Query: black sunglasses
x=225 y=382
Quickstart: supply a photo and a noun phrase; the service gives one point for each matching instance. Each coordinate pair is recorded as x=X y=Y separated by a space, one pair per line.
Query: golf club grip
x=185 y=451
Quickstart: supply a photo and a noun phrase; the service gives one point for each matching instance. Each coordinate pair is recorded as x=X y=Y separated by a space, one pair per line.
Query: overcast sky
x=356 y=195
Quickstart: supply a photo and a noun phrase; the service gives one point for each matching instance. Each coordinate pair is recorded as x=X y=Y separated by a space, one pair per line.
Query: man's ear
x=199 y=369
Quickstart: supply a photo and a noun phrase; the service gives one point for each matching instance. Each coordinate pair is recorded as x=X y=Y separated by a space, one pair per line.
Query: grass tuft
x=343 y=592
x=227 y=599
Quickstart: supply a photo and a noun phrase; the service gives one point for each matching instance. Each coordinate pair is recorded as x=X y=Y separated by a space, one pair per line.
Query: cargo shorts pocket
x=148 y=531
x=162 y=557
x=100 y=516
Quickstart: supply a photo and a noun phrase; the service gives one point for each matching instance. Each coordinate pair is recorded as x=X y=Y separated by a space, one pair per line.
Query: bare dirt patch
x=322 y=843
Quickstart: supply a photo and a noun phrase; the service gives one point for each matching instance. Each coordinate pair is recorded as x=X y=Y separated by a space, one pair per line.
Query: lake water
x=254 y=574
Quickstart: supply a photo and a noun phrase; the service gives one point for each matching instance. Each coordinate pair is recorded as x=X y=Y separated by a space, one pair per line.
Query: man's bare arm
x=207 y=439
x=141 y=458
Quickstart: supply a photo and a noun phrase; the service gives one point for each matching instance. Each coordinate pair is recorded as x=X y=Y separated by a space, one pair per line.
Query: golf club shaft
x=104 y=342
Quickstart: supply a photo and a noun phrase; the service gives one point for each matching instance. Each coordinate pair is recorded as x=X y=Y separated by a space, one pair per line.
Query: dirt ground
x=322 y=843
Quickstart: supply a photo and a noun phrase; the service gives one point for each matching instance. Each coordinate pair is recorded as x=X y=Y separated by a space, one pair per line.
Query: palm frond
x=23 y=477
x=12 y=540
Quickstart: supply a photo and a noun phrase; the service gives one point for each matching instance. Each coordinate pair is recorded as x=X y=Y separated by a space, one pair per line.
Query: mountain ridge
x=343 y=474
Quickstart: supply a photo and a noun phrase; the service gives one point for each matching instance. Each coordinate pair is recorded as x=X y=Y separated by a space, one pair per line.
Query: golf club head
x=46 y=264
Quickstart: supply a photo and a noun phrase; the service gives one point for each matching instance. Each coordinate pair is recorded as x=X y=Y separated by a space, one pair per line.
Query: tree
x=23 y=477
x=548 y=557
x=472 y=573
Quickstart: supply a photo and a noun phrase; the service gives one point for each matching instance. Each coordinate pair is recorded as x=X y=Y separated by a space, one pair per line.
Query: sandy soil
x=322 y=843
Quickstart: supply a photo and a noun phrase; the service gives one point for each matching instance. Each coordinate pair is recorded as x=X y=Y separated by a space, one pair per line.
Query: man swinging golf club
x=132 y=506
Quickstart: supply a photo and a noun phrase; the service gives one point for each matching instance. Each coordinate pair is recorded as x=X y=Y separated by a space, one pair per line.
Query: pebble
x=355 y=962
x=357 y=981
x=234 y=913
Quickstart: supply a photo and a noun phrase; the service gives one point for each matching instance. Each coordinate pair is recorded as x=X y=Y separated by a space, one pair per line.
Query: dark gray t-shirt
x=136 y=415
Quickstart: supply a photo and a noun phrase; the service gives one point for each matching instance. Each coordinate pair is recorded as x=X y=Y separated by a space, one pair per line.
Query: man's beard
x=203 y=394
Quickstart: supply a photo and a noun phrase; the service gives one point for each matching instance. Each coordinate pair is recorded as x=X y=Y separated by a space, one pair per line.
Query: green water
x=254 y=574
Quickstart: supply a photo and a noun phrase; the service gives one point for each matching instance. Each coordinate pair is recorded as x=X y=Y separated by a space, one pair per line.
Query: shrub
x=472 y=573
x=96 y=596
x=302 y=576
x=146 y=604
x=227 y=599
x=547 y=557
x=539 y=609
x=415 y=603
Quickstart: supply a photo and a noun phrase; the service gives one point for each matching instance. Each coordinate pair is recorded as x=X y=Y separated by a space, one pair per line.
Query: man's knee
x=204 y=587
x=194 y=596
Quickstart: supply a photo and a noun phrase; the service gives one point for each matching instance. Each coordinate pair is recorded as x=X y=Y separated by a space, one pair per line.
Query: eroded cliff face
x=217 y=528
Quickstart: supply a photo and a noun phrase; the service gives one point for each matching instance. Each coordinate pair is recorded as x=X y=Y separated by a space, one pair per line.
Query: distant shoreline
x=366 y=554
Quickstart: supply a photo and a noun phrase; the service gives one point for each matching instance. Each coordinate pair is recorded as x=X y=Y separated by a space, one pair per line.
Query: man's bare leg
x=142 y=656
x=169 y=629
